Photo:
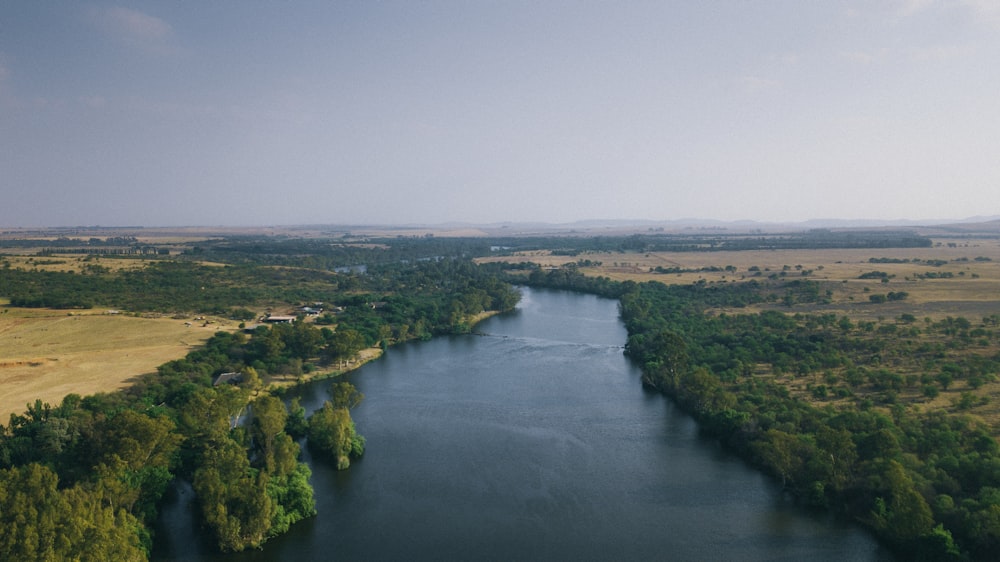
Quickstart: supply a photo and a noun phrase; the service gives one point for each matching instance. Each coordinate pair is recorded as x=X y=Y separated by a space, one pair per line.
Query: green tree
x=267 y=425
x=332 y=433
x=233 y=497
x=345 y=395
x=905 y=515
x=38 y=521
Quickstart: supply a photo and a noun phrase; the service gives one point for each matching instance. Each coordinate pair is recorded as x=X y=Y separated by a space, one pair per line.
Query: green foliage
x=331 y=430
x=40 y=521
x=234 y=501
x=296 y=425
x=925 y=482
x=344 y=395
x=294 y=498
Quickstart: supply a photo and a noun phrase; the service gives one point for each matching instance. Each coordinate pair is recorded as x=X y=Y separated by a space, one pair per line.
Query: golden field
x=73 y=262
x=49 y=354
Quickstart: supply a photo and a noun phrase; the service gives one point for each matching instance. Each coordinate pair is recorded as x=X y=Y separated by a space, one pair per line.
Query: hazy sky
x=249 y=113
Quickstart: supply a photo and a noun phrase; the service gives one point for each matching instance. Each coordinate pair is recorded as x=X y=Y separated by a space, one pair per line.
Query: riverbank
x=280 y=383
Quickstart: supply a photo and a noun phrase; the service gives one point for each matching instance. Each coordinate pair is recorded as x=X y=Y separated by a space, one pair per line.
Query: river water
x=533 y=440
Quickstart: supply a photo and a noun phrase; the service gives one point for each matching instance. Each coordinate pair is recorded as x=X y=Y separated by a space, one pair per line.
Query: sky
x=487 y=111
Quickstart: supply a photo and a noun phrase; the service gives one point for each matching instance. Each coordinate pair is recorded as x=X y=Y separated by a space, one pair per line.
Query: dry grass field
x=49 y=354
x=73 y=262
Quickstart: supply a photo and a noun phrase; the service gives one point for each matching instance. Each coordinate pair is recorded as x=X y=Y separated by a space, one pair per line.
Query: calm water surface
x=533 y=441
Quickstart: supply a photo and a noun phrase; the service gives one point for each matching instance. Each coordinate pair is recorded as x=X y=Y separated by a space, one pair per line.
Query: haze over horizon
x=232 y=113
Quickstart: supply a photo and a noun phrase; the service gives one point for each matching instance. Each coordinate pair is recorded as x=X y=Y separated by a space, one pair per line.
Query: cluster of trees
x=163 y=286
x=248 y=480
x=415 y=299
x=347 y=250
x=99 y=465
x=880 y=298
x=331 y=430
x=709 y=269
x=336 y=252
x=43 y=521
x=81 y=481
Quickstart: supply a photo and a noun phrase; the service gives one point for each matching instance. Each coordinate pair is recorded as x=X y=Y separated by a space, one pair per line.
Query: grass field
x=73 y=262
x=49 y=354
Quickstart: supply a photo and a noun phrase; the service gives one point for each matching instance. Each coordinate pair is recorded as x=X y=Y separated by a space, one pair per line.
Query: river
x=532 y=440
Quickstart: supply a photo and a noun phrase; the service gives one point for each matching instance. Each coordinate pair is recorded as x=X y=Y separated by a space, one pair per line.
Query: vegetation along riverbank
x=860 y=370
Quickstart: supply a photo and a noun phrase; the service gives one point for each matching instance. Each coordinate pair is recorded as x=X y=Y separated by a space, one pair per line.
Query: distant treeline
x=64 y=242
x=331 y=253
x=811 y=240
x=661 y=242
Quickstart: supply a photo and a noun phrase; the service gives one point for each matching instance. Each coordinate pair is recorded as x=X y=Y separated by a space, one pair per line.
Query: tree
x=38 y=521
x=234 y=500
x=269 y=417
x=332 y=433
x=296 y=425
x=780 y=451
x=133 y=455
x=345 y=395
x=345 y=344
x=906 y=515
x=251 y=380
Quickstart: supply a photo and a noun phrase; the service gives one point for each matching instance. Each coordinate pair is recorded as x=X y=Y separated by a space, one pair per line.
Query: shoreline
x=282 y=383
